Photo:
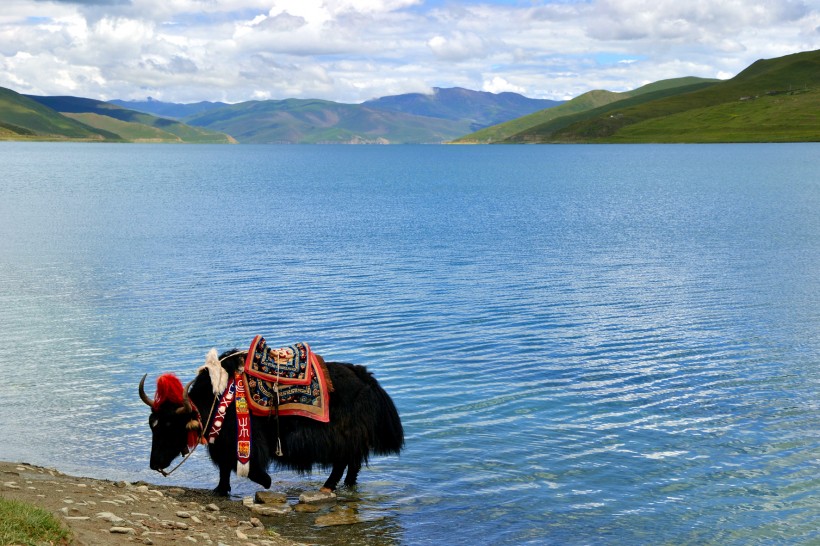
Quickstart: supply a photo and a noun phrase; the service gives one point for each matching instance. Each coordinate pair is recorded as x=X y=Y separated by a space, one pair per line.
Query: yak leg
x=224 y=485
x=259 y=476
x=335 y=476
x=352 y=474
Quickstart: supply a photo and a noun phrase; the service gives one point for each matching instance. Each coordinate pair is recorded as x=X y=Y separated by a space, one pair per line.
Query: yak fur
x=363 y=422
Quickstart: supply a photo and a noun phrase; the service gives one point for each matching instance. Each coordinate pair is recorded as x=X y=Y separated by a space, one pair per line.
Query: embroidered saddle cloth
x=291 y=375
x=286 y=365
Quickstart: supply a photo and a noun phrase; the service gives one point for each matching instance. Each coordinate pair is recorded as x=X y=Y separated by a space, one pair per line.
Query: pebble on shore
x=107 y=513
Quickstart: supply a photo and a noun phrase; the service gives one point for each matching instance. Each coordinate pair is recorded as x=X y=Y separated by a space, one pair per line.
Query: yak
x=363 y=421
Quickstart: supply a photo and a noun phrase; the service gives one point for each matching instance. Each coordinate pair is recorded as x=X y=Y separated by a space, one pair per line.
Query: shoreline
x=106 y=513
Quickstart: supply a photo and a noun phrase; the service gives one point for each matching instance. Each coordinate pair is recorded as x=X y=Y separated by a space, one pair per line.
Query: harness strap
x=201 y=440
x=205 y=428
x=278 y=437
x=243 y=427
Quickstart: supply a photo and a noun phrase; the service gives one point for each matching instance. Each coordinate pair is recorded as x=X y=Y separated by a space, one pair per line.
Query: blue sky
x=353 y=50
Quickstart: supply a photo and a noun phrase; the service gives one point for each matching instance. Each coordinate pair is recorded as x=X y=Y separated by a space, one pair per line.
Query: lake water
x=587 y=344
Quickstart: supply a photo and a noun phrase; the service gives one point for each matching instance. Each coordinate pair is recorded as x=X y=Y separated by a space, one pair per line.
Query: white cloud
x=458 y=46
x=500 y=85
x=691 y=21
x=283 y=22
x=353 y=50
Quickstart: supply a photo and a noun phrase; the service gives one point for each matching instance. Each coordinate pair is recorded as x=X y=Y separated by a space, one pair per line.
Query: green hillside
x=582 y=103
x=545 y=131
x=787 y=117
x=22 y=118
x=130 y=131
x=502 y=131
x=312 y=121
x=772 y=100
x=113 y=118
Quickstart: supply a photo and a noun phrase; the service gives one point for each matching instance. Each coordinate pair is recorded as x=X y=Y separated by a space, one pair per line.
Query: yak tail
x=387 y=438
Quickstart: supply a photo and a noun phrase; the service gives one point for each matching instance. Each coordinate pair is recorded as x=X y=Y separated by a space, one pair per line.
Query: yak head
x=174 y=421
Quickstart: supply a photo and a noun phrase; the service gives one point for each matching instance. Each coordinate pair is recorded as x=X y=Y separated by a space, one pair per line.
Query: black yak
x=362 y=421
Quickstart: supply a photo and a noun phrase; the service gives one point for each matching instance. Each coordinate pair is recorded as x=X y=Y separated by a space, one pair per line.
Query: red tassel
x=193 y=439
x=169 y=389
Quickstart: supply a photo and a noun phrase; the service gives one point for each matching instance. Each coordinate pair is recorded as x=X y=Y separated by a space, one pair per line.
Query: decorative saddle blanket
x=291 y=377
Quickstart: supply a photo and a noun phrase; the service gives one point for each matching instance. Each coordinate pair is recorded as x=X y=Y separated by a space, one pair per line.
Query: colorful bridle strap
x=243 y=428
x=235 y=392
x=225 y=401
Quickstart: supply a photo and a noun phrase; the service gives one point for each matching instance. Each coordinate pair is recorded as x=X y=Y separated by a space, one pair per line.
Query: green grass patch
x=134 y=132
x=26 y=525
x=789 y=117
x=600 y=121
x=24 y=118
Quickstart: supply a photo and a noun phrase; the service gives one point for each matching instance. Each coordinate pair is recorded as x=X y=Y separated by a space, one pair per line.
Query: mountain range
x=436 y=117
x=772 y=100
x=413 y=118
x=28 y=117
x=171 y=110
x=582 y=103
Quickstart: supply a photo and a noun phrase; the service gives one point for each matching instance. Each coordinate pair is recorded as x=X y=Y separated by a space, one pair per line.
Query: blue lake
x=587 y=344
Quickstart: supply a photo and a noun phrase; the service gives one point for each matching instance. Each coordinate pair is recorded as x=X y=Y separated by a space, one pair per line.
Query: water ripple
x=579 y=353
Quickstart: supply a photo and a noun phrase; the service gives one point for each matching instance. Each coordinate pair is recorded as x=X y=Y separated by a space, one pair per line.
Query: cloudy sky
x=353 y=50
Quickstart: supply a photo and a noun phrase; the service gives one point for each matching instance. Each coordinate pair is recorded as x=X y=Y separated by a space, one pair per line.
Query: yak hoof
x=221 y=492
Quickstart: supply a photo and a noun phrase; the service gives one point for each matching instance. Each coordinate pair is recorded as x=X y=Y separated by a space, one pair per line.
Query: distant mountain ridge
x=582 y=103
x=129 y=124
x=22 y=118
x=29 y=117
x=171 y=110
x=481 y=108
x=771 y=100
x=410 y=118
x=313 y=121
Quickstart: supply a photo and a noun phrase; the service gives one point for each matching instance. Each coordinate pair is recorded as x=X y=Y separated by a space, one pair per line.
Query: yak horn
x=187 y=407
x=142 y=392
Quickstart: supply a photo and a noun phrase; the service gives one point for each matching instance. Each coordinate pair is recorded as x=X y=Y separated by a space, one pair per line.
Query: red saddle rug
x=292 y=375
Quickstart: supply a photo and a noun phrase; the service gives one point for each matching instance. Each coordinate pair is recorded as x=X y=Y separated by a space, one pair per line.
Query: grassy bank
x=25 y=524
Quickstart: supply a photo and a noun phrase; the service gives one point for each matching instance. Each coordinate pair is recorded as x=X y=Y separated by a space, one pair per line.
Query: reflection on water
x=586 y=344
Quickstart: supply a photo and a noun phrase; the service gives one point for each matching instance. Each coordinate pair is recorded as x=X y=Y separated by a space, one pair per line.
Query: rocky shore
x=106 y=513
